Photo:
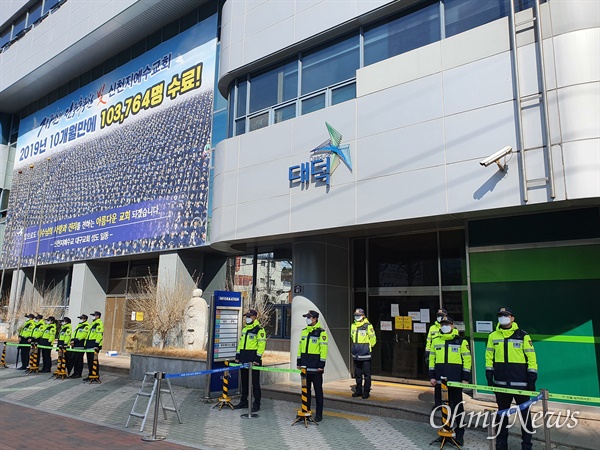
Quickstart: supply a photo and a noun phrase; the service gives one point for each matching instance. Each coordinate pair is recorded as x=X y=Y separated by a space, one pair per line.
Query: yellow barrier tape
x=578 y=398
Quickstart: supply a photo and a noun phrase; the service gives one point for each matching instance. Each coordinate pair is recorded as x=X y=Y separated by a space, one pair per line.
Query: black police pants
x=77 y=363
x=315 y=379
x=24 y=353
x=69 y=360
x=47 y=360
x=256 y=392
x=504 y=401
x=362 y=369
x=456 y=410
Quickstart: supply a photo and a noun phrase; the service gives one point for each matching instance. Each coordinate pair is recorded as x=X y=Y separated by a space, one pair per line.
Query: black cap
x=251 y=313
x=311 y=313
x=51 y=319
x=66 y=319
x=359 y=311
x=441 y=312
x=447 y=319
x=83 y=316
x=505 y=312
x=96 y=313
x=30 y=316
x=39 y=316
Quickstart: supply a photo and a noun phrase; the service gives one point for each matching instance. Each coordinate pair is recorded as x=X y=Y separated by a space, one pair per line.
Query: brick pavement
x=203 y=427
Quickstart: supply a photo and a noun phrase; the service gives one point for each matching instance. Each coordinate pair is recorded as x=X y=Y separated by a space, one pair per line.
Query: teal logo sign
x=324 y=159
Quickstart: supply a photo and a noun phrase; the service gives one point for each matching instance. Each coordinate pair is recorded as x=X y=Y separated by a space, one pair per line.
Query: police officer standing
x=363 y=340
x=450 y=357
x=80 y=334
x=510 y=362
x=64 y=339
x=25 y=338
x=37 y=332
x=47 y=340
x=94 y=340
x=434 y=331
x=312 y=354
x=250 y=350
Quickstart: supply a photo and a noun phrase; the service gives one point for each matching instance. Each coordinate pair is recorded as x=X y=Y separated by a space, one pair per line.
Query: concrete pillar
x=321 y=270
x=88 y=288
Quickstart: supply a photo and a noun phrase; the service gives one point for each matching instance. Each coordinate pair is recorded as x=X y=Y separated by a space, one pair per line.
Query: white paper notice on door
x=395 y=310
x=419 y=327
x=415 y=315
x=385 y=325
x=425 y=316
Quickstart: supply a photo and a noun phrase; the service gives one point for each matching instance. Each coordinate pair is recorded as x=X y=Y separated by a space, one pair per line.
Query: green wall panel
x=564 y=368
x=558 y=263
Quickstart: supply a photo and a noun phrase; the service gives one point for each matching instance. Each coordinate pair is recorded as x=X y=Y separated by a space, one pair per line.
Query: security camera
x=495 y=158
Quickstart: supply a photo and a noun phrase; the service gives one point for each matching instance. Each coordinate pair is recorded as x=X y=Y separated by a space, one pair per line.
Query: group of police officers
x=44 y=333
x=509 y=358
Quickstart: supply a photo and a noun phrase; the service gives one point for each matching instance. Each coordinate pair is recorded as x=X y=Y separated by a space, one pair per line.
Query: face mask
x=503 y=320
x=439 y=319
x=308 y=321
x=446 y=329
x=357 y=318
x=47 y=322
x=249 y=320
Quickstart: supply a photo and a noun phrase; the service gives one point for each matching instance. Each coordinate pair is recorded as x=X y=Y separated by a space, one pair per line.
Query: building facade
x=400 y=156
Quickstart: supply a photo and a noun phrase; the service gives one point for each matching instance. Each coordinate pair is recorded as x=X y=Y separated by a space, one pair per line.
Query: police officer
x=64 y=340
x=94 y=340
x=25 y=334
x=312 y=354
x=510 y=362
x=47 y=340
x=250 y=350
x=80 y=334
x=450 y=357
x=434 y=331
x=363 y=340
x=37 y=332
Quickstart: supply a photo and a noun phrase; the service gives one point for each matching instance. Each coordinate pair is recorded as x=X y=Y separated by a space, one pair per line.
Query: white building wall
x=417 y=130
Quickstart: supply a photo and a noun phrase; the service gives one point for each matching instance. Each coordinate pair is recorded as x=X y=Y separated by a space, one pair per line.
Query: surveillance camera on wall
x=495 y=158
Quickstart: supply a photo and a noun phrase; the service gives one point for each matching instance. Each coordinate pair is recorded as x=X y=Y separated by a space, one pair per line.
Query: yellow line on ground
x=345 y=416
x=405 y=386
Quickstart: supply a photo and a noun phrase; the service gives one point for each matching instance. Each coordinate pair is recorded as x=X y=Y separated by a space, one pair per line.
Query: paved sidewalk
x=203 y=427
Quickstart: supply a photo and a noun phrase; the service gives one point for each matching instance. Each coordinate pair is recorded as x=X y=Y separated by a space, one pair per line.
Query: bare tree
x=47 y=302
x=163 y=306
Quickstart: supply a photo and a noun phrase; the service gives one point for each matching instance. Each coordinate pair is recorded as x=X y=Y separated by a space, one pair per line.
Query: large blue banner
x=120 y=166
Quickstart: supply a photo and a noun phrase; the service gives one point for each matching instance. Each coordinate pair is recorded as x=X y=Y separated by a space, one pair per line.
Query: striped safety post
x=304 y=413
x=95 y=373
x=61 y=367
x=445 y=433
x=33 y=359
x=3 y=359
x=225 y=399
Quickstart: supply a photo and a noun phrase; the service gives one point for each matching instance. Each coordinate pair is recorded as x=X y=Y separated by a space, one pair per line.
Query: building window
x=400 y=34
x=274 y=86
x=462 y=15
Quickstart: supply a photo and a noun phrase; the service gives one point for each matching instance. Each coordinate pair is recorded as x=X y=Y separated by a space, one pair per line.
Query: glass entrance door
x=400 y=348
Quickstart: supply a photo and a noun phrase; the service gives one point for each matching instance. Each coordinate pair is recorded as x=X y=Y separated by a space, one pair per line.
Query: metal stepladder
x=143 y=392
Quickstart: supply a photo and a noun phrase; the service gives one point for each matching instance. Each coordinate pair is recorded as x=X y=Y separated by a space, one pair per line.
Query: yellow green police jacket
x=48 y=334
x=64 y=336
x=313 y=347
x=434 y=331
x=38 y=330
x=27 y=328
x=363 y=339
x=510 y=355
x=450 y=357
x=252 y=343
x=80 y=334
x=94 y=338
